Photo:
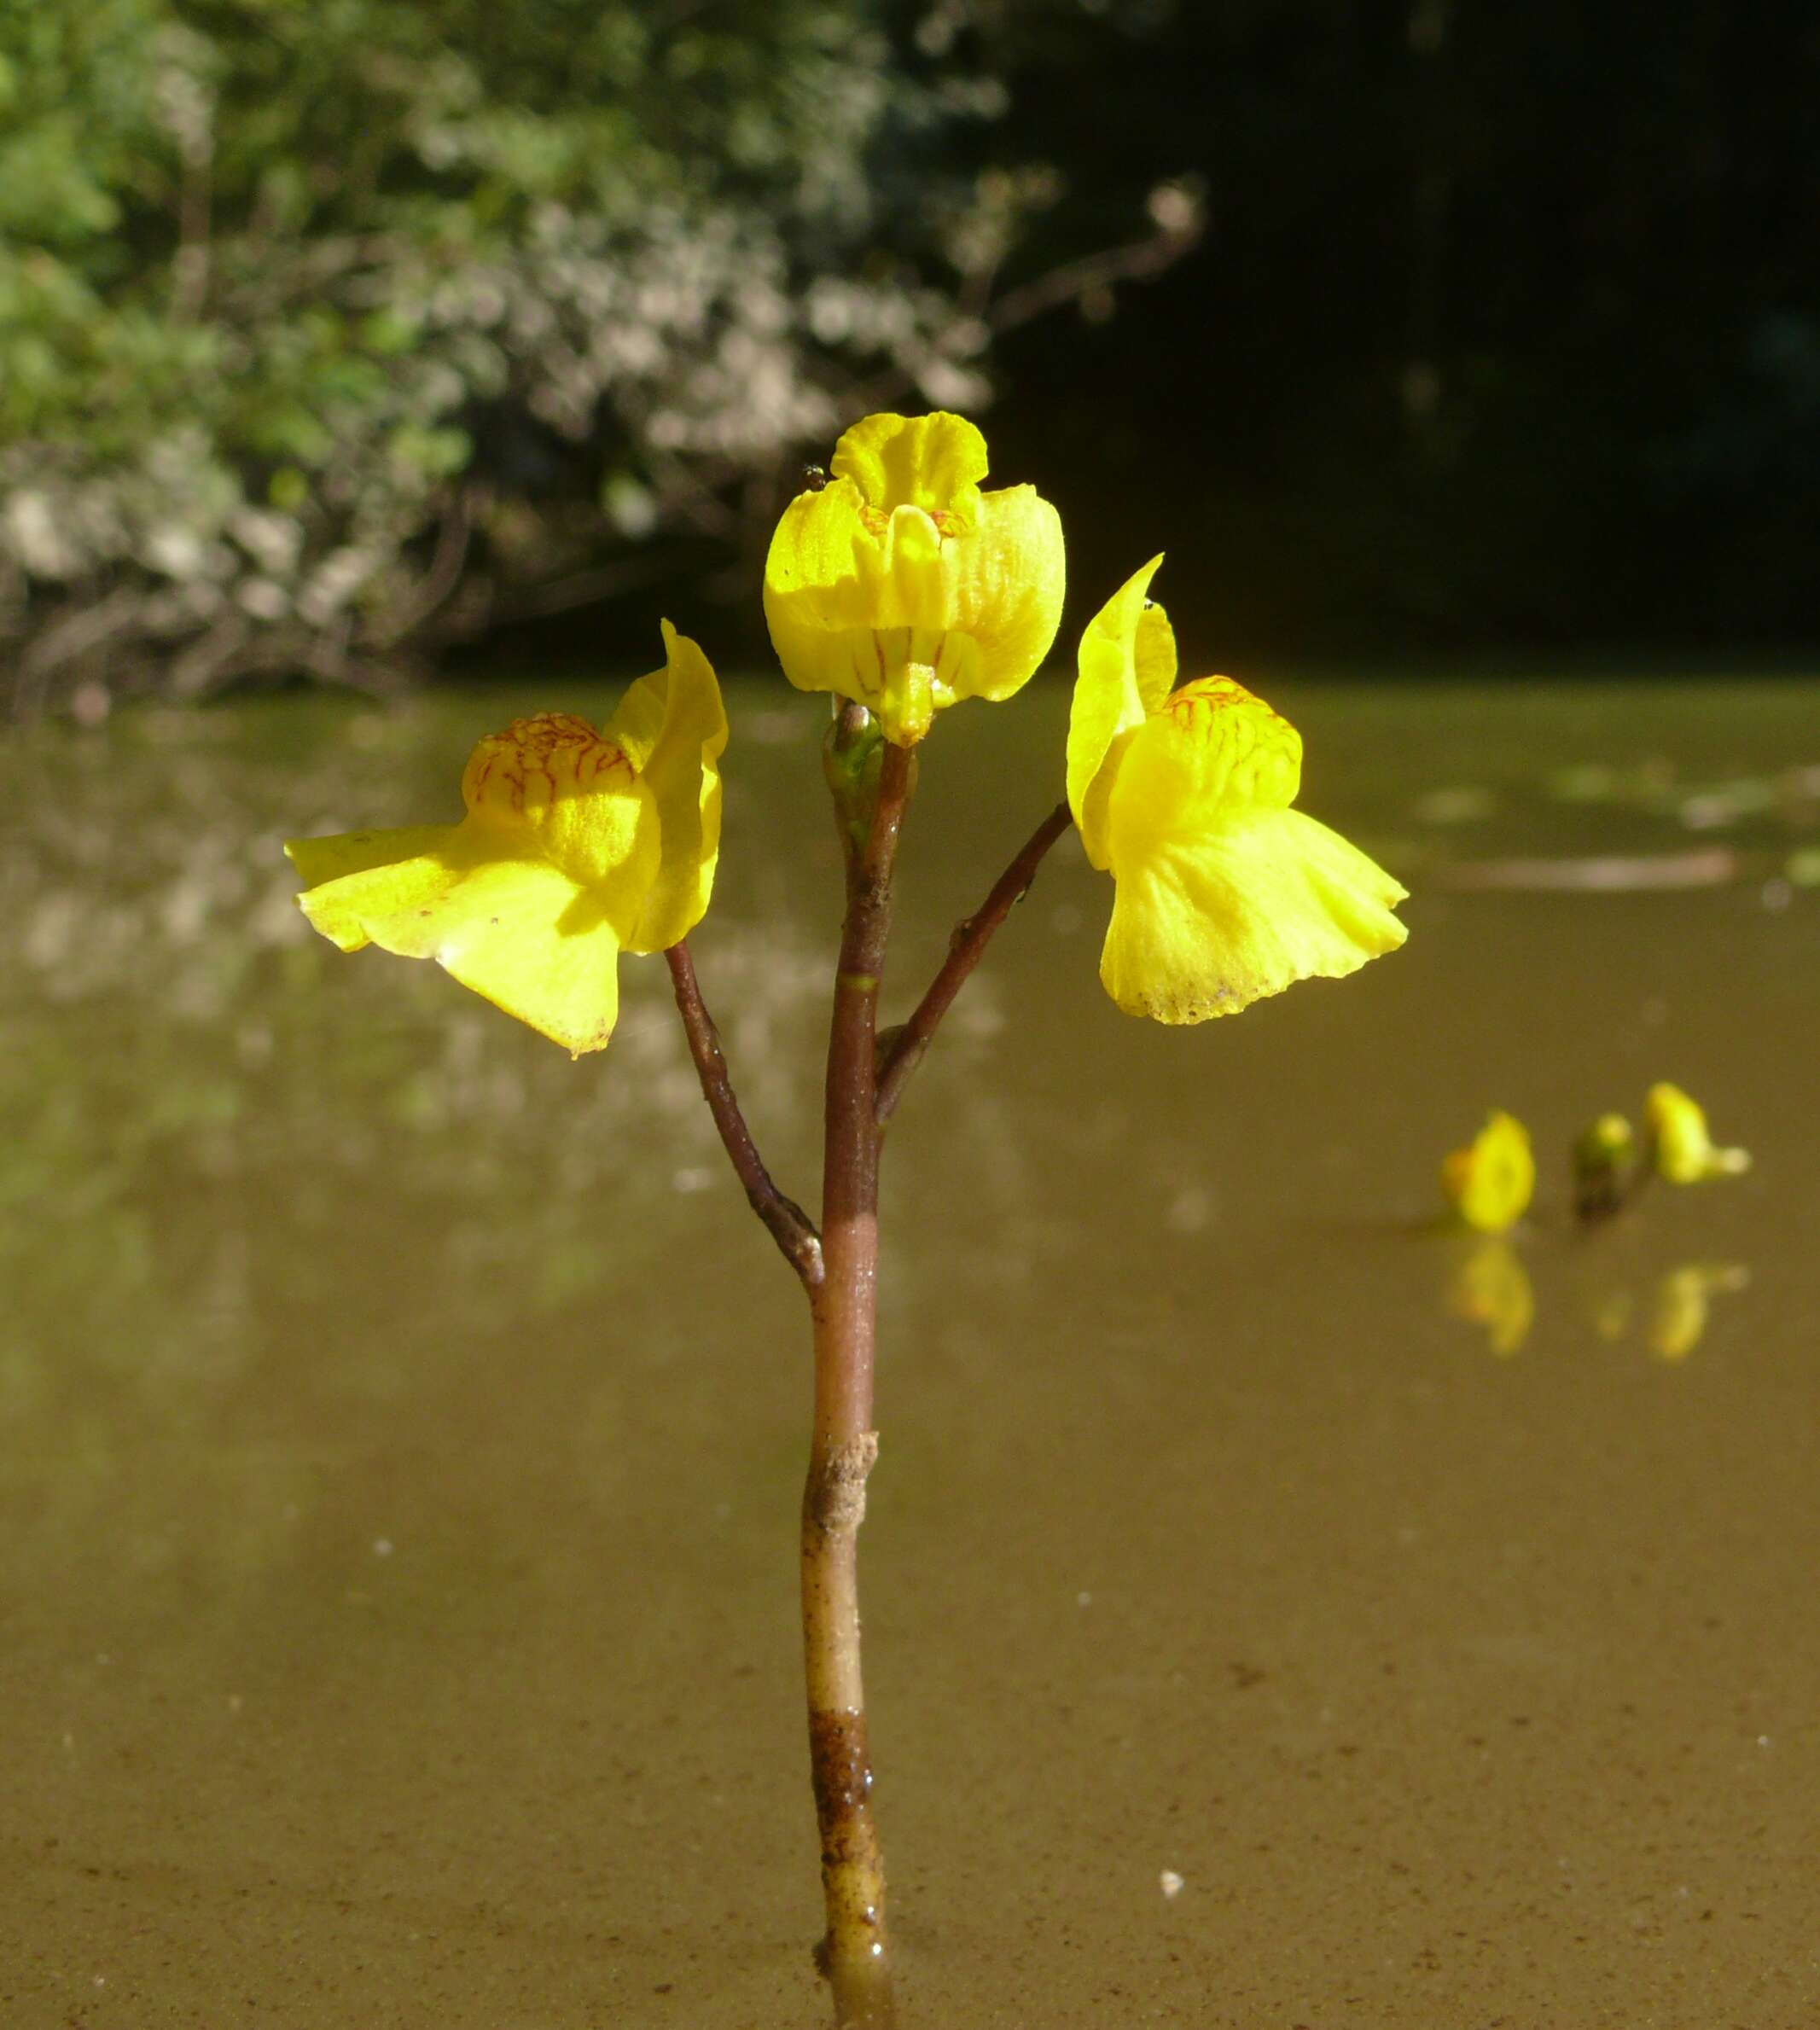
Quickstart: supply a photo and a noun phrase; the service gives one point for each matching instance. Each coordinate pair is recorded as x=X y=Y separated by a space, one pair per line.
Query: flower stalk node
x=837 y=1494
x=852 y=751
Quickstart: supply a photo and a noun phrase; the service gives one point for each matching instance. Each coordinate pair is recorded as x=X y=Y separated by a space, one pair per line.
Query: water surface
x=401 y=1426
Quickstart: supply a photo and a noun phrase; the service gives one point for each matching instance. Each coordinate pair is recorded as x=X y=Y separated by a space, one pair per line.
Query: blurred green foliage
x=333 y=329
x=334 y=333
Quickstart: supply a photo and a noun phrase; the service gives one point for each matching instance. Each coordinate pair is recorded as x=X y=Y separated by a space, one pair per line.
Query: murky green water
x=401 y=1426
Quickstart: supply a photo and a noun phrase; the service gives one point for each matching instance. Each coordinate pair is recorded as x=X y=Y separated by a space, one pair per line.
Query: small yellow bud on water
x=1604 y=1167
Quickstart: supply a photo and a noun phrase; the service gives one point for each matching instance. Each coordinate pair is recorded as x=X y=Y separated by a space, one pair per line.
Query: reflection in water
x=1678 y=1321
x=1610 y=1310
x=195 y=1112
x=1490 y=1287
x=1679 y=1307
x=381 y=1447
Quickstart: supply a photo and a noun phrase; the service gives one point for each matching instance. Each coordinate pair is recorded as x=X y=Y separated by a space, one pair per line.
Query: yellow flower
x=1679 y=1145
x=899 y=584
x=577 y=843
x=1222 y=893
x=1491 y=1183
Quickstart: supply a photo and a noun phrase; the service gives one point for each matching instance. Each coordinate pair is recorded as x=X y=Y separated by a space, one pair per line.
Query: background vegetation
x=334 y=333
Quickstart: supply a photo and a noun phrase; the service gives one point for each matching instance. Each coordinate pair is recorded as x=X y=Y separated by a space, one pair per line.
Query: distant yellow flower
x=577 y=844
x=899 y=584
x=1222 y=893
x=1491 y=1184
x=1679 y=1145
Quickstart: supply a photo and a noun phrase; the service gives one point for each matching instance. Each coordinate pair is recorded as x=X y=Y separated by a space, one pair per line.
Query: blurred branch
x=588 y=588
x=190 y=265
x=71 y=636
x=1078 y=282
x=1180 y=224
x=439 y=580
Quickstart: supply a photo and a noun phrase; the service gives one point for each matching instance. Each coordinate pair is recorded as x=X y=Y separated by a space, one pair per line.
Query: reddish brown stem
x=965 y=951
x=844 y=1443
x=790 y=1226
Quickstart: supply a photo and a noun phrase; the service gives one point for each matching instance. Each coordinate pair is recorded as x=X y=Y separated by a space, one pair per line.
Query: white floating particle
x=1190 y=1210
x=1171 y=1883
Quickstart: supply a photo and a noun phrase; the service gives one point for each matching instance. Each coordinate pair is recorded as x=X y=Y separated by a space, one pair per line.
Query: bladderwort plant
x=897 y=585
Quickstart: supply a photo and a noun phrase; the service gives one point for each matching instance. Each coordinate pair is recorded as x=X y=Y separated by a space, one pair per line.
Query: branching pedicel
x=902 y=589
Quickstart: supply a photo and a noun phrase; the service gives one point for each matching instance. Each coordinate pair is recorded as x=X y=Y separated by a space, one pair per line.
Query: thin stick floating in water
x=1612 y=873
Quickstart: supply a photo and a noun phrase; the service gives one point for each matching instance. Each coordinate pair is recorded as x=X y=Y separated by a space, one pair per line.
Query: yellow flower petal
x=903 y=587
x=1210 y=750
x=551 y=787
x=1490 y=1184
x=1007 y=585
x=319 y=860
x=1126 y=664
x=934 y=462
x=1204 y=924
x=520 y=933
x=672 y=727
x=1680 y=1145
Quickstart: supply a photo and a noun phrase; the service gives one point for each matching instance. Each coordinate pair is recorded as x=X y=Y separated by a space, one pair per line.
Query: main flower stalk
x=845 y=1307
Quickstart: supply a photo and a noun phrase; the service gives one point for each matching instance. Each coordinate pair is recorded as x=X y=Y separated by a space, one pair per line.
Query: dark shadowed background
x=338 y=339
